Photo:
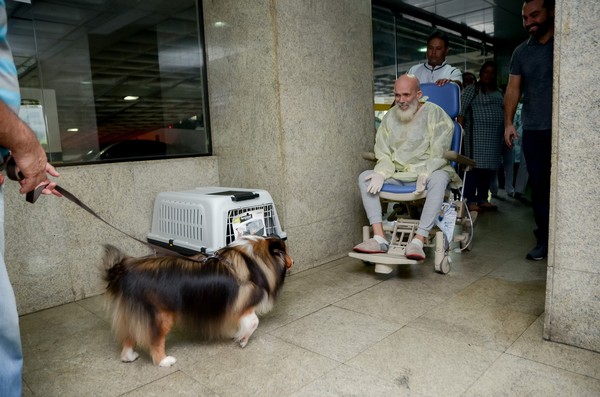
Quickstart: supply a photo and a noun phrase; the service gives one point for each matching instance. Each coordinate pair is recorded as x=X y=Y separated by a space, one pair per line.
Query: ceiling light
x=220 y=24
x=423 y=49
x=72 y=129
x=131 y=98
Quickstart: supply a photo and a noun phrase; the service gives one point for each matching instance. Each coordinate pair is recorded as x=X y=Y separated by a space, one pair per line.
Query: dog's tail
x=113 y=268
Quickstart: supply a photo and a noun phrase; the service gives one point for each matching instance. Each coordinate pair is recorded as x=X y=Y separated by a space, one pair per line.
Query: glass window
x=106 y=80
x=400 y=41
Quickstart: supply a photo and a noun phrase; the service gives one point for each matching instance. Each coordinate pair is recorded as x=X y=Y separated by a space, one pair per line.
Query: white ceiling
x=498 y=18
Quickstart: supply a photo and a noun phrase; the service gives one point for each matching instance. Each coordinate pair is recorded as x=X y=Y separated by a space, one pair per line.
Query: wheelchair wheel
x=467 y=242
x=468 y=232
x=465 y=246
x=444 y=266
x=441 y=259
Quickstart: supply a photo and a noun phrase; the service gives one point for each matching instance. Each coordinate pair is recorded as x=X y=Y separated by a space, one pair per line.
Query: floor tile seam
x=27 y=385
x=552 y=366
x=504 y=307
x=334 y=305
x=321 y=376
x=342 y=298
x=491 y=276
x=503 y=350
x=321 y=267
x=183 y=371
x=563 y=268
x=433 y=332
x=496 y=306
x=351 y=294
x=285 y=324
x=373 y=344
x=483 y=373
x=149 y=383
x=376 y=375
x=336 y=359
x=318 y=309
x=40 y=311
x=412 y=291
x=288 y=342
x=374 y=318
x=102 y=307
x=304 y=273
x=479 y=275
x=569 y=347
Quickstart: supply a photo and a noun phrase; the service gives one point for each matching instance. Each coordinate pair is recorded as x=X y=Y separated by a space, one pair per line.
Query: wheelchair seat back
x=448 y=98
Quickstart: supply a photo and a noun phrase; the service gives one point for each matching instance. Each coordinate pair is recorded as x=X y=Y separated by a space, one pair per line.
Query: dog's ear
x=277 y=246
x=276 y=243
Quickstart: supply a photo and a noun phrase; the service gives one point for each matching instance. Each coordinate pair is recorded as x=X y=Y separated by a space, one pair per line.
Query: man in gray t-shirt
x=531 y=76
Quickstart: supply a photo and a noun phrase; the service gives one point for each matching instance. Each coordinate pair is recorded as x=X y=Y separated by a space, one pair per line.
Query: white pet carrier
x=208 y=218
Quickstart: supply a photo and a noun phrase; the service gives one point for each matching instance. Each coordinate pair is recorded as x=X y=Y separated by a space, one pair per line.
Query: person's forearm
x=510 y=108
x=511 y=99
x=14 y=133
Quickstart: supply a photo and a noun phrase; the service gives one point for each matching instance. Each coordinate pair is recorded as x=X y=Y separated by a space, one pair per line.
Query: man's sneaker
x=372 y=246
x=414 y=251
x=538 y=253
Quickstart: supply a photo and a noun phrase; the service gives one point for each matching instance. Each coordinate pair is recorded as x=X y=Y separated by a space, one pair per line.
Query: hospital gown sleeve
x=441 y=129
x=383 y=154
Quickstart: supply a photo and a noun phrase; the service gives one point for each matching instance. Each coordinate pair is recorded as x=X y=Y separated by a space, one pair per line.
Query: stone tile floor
x=341 y=330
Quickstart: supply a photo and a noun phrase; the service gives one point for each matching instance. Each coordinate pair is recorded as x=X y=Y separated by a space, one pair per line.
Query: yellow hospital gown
x=405 y=150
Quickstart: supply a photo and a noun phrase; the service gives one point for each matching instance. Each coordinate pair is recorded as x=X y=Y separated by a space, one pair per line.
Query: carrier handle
x=242 y=196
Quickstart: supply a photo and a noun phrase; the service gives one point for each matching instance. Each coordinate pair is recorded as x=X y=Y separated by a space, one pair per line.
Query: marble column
x=291 y=102
x=573 y=284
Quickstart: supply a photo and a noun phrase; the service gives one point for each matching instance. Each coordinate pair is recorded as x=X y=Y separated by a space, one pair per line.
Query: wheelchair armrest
x=369 y=156
x=451 y=155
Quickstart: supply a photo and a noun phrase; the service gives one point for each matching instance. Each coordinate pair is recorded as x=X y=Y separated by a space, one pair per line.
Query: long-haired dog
x=218 y=295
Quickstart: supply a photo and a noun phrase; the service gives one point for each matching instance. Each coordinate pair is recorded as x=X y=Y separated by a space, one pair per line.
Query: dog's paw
x=167 y=361
x=128 y=355
x=242 y=341
x=248 y=325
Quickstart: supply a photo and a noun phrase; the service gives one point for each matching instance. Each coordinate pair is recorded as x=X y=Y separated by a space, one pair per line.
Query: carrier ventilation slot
x=177 y=220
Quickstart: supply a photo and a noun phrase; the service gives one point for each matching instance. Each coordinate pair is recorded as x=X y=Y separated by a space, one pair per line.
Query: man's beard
x=408 y=114
x=542 y=28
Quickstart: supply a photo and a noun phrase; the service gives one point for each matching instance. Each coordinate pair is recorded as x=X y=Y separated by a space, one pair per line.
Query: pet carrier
x=208 y=218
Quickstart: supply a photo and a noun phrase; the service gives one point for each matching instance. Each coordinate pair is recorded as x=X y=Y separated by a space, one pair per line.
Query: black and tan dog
x=218 y=296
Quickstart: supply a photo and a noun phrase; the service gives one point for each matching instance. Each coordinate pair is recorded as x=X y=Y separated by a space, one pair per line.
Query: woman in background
x=482 y=117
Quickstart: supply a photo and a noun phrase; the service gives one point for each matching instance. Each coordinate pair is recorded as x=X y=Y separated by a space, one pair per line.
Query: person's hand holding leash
x=33 y=170
x=376 y=182
x=27 y=163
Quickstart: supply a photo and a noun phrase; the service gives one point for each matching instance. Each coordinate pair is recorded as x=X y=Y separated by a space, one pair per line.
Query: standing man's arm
x=455 y=77
x=29 y=156
x=511 y=100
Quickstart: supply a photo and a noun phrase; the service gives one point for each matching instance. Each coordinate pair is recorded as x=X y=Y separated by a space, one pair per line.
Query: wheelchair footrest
x=387 y=259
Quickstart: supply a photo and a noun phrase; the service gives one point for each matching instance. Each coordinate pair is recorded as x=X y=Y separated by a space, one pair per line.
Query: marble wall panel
x=573 y=283
x=54 y=248
x=308 y=116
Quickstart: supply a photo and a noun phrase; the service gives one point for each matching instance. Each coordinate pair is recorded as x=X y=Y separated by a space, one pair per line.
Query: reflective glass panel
x=106 y=80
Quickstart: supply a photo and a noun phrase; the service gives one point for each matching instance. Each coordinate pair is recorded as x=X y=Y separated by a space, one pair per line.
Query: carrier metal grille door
x=269 y=219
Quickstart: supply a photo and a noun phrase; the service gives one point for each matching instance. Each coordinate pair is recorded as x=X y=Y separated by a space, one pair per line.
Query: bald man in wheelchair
x=409 y=146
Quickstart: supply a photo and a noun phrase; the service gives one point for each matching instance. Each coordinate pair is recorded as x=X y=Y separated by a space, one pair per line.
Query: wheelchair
x=455 y=222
